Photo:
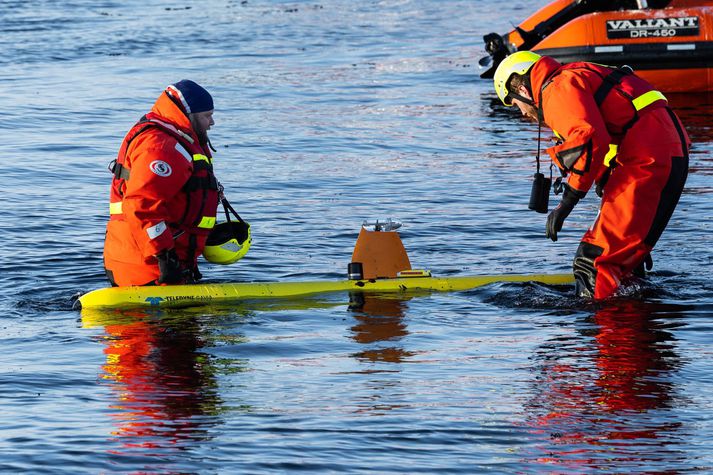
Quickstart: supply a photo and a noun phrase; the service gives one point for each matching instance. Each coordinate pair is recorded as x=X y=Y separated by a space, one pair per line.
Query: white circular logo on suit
x=160 y=168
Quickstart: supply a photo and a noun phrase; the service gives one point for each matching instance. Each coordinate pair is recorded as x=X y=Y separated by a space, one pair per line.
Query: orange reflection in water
x=633 y=355
x=380 y=328
x=165 y=390
x=379 y=319
x=602 y=399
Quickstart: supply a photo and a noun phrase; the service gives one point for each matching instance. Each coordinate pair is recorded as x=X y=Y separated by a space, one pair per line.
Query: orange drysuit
x=618 y=132
x=163 y=196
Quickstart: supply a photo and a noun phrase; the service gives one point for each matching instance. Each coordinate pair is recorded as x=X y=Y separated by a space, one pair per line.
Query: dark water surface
x=329 y=113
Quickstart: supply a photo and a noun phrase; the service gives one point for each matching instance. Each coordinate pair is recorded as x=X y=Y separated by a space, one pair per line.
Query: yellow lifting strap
x=640 y=102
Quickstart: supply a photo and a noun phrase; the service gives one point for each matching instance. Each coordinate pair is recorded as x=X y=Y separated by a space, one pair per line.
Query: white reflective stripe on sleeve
x=156 y=230
x=182 y=151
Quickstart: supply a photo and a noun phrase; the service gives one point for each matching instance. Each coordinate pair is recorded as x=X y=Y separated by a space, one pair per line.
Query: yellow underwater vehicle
x=379 y=264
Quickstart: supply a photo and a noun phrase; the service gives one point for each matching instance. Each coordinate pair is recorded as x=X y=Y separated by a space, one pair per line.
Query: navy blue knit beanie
x=192 y=96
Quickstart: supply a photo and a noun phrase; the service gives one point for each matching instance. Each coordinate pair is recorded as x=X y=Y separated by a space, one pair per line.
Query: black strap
x=599 y=190
x=539 y=137
x=545 y=83
x=522 y=98
x=202 y=165
x=609 y=82
x=148 y=125
x=227 y=207
x=110 y=277
x=192 y=247
x=201 y=183
x=120 y=171
x=679 y=130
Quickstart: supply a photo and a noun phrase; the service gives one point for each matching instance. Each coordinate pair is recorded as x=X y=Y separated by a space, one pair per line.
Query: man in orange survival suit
x=617 y=132
x=164 y=195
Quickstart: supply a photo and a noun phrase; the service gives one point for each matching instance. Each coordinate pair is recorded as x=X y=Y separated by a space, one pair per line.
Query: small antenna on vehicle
x=388 y=225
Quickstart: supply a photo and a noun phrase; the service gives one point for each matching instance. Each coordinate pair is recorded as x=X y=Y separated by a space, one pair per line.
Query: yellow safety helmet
x=227 y=242
x=519 y=62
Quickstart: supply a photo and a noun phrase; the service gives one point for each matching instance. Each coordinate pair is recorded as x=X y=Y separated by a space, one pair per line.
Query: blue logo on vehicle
x=154 y=301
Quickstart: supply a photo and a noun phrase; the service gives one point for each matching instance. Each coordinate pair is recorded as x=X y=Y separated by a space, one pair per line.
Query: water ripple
x=329 y=114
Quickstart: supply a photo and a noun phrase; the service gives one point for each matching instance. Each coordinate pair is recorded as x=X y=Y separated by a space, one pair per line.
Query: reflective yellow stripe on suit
x=200 y=157
x=207 y=222
x=611 y=154
x=647 y=99
x=639 y=103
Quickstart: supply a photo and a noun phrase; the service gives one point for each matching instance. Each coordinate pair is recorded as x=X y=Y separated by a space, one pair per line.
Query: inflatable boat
x=669 y=43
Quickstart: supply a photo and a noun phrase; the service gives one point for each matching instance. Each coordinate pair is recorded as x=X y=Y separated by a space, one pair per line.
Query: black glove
x=170 y=267
x=556 y=218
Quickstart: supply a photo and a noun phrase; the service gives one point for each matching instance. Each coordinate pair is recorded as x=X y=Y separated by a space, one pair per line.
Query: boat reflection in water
x=604 y=400
x=695 y=111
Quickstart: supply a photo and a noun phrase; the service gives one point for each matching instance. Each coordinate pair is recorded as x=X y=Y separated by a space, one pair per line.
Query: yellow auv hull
x=205 y=294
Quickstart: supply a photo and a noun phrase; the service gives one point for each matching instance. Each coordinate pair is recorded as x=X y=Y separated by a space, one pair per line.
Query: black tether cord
x=189 y=274
x=539 y=137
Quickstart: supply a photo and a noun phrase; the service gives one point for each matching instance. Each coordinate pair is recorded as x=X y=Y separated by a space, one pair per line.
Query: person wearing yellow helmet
x=615 y=131
x=519 y=64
